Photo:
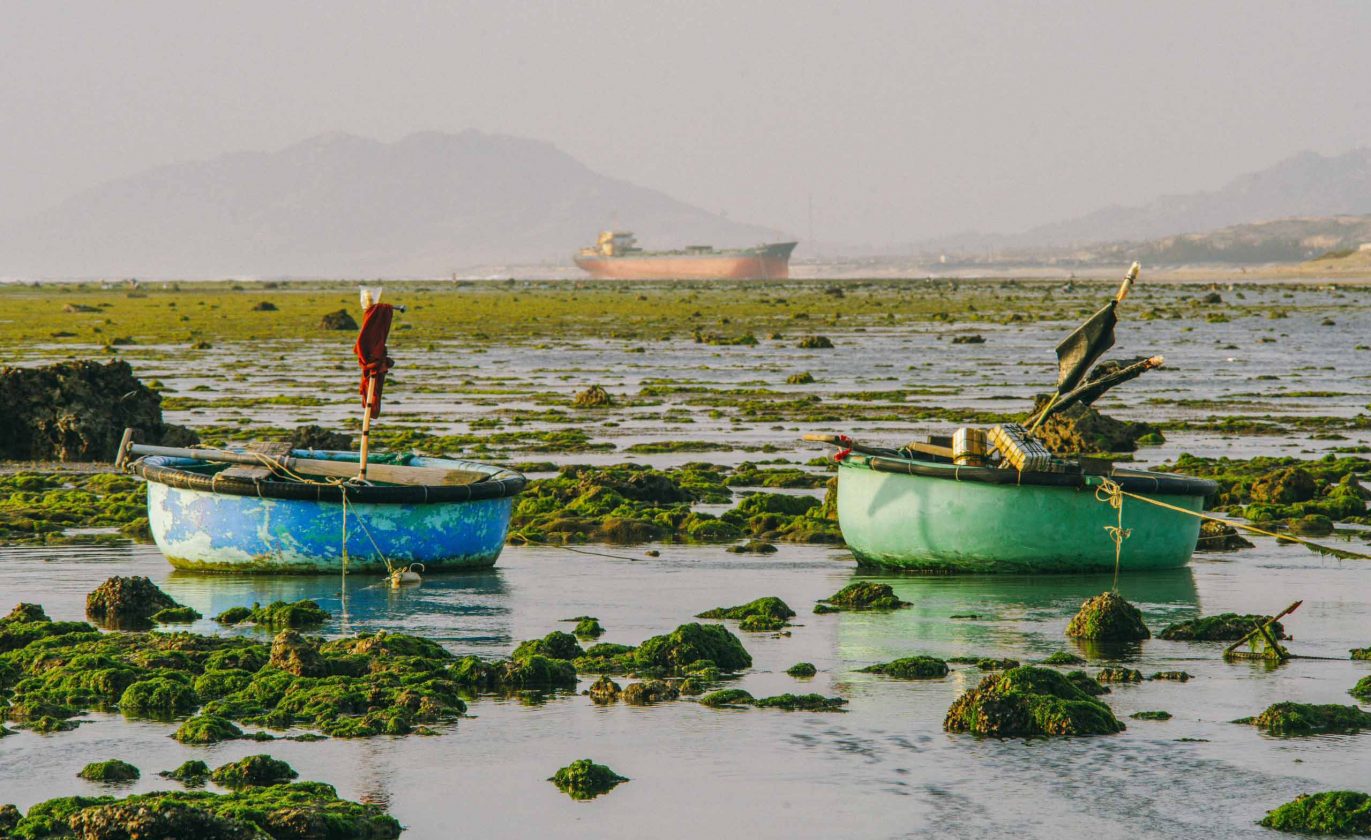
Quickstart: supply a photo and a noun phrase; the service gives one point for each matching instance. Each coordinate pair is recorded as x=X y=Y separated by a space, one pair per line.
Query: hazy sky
x=903 y=119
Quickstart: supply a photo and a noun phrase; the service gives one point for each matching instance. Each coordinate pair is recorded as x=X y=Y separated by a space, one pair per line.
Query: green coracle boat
x=901 y=513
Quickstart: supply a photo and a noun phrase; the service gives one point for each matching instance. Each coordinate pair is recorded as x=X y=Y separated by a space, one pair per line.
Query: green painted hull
x=922 y=523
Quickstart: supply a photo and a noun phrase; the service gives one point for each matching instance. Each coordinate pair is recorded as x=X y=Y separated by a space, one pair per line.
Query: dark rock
x=1284 y=486
x=1081 y=429
x=1172 y=676
x=338 y=320
x=1294 y=719
x=1216 y=536
x=647 y=692
x=119 y=822
x=968 y=339
x=264 y=306
x=593 y=397
x=815 y=342
x=317 y=437
x=1108 y=617
x=604 y=691
x=127 y=601
x=801 y=703
x=77 y=411
x=1119 y=675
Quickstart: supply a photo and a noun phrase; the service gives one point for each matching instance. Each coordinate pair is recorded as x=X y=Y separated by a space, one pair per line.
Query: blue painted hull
x=220 y=532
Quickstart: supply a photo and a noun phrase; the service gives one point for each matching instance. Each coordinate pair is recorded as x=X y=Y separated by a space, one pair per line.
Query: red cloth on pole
x=371 y=350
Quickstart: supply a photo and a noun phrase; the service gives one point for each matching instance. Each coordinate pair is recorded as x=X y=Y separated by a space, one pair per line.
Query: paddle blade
x=1084 y=346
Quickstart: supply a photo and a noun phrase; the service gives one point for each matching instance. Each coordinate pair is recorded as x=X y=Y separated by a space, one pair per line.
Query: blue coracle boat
x=206 y=517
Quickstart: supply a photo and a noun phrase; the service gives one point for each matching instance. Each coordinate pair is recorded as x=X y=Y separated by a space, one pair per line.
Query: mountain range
x=342 y=205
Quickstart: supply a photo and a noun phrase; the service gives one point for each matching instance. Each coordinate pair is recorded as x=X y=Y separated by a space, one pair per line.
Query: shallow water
x=884 y=768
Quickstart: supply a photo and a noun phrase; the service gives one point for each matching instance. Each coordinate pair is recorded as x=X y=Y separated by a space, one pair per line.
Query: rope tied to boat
x=1114 y=495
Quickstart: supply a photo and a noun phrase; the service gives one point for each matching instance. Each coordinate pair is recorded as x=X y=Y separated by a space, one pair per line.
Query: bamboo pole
x=366 y=429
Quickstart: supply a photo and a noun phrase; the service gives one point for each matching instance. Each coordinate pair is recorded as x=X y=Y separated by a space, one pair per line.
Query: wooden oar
x=388 y=473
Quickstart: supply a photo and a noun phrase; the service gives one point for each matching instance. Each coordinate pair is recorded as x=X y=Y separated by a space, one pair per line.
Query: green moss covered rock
x=1030 y=701
x=1108 y=617
x=864 y=595
x=910 y=668
x=112 y=770
x=159 y=698
x=604 y=691
x=588 y=628
x=207 y=729
x=1119 y=675
x=801 y=703
x=1062 y=657
x=584 y=779
x=555 y=645
x=253 y=771
x=176 y=615
x=767 y=607
x=674 y=652
x=127 y=602
x=647 y=692
x=1339 y=812
x=802 y=670
x=727 y=697
x=1294 y=719
x=1227 y=627
x=192 y=773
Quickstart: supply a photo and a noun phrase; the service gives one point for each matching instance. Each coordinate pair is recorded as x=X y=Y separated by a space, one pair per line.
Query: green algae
x=584 y=779
x=1173 y=676
x=40 y=508
x=1158 y=715
x=299 y=811
x=1227 y=627
x=1362 y=690
x=727 y=698
x=1028 y=702
x=1360 y=653
x=784 y=517
x=207 y=729
x=801 y=670
x=1270 y=489
x=990 y=663
x=253 y=771
x=1108 y=617
x=110 y=771
x=555 y=645
x=815 y=342
x=910 y=668
x=280 y=614
x=159 y=698
x=1296 y=719
x=1338 y=812
x=234 y=615
x=762 y=624
x=801 y=703
x=864 y=595
x=593 y=397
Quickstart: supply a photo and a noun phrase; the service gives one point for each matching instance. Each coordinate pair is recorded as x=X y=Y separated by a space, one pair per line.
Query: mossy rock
x=584 y=779
x=298 y=655
x=801 y=670
x=990 y=663
x=588 y=628
x=1158 y=715
x=801 y=703
x=1173 y=676
x=282 y=614
x=1295 y=719
x=207 y=729
x=1362 y=690
x=815 y=342
x=767 y=607
x=604 y=691
x=762 y=624
x=648 y=692
x=1217 y=536
x=593 y=397
x=727 y=698
x=555 y=645
x=1108 y=617
x=1062 y=657
x=910 y=668
x=176 y=615
x=1028 y=702
x=234 y=615
x=673 y=652
x=1361 y=653
x=339 y=319
x=1338 y=812
x=1226 y=627
x=158 y=698
x=192 y=773
x=802 y=378
x=865 y=595
x=111 y=771
x=254 y=771
x=1284 y=486
x=1119 y=675
x=752 y=547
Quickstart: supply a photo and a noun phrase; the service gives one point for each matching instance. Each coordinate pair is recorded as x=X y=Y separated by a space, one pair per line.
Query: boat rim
x=499 y=482
x=1132 y=481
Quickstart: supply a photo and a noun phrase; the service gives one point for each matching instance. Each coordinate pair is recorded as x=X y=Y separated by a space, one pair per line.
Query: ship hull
x=770 y=263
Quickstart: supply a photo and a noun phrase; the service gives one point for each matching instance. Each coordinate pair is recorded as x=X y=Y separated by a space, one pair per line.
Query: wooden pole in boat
x=363 y=451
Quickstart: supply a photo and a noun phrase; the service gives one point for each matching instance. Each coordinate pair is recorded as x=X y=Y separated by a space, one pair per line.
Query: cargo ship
x=616 y=255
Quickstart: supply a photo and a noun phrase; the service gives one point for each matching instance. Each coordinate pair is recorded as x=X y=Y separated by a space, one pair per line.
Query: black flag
x=1080 y=350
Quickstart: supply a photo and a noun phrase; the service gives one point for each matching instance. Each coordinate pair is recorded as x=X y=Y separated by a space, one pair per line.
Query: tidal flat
x=717 y=382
